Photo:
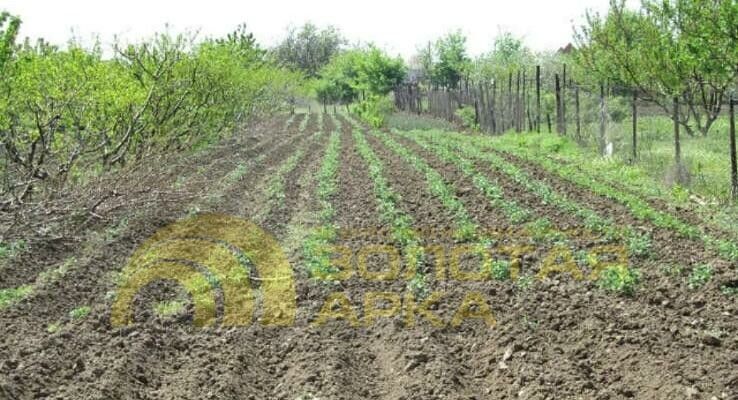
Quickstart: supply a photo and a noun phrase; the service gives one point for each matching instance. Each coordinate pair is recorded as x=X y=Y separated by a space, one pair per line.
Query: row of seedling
x=638 y=208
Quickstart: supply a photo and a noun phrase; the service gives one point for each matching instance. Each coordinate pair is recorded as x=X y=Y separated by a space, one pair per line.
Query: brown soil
x=558 y=339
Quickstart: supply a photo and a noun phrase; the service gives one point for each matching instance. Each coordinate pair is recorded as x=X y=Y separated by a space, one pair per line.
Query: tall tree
x=309 y=48
x=452 y=60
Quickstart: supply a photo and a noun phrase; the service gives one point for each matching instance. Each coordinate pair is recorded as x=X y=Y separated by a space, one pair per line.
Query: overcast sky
x=399 y=26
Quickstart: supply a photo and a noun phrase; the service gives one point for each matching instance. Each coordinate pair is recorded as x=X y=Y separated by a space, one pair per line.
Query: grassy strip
x=316 y=247
x=321 y=122
x=639 y=208
x=638 y=244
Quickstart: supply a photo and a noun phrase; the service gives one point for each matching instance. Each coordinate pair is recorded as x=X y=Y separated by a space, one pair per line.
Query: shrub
x=374 y=110
x=467 y=115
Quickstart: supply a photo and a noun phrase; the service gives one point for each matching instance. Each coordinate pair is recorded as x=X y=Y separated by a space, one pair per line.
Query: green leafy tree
x=669 y=49
x=452 y=61
x=309 y=48
x=9 y=26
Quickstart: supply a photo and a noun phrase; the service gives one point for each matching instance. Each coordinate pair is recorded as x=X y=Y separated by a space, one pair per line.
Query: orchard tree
x=508 y=54
x=378 y=73
x=309 y=48
x=452 y=62
x=674 y=49
x=9 y=26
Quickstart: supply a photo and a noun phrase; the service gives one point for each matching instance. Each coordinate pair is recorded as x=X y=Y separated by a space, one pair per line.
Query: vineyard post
x=578 y=117
x=557 y=86
x=635 y=126
x=733 y=155
x=538 y=98
x=603 y=119
x=563 y=101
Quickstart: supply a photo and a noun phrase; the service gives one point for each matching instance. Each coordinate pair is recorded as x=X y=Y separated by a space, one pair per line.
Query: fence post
x=578 y=117
x=517 y=103
x=494 y=106
x=557 y=93
x=603 y=119
x=501 y=121
x=538 y=98
x=563 y=101
x=635 y=126
x=733 y=156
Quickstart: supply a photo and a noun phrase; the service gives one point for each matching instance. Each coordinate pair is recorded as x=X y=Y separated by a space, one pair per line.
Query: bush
x=467 y=115
x=374 y=110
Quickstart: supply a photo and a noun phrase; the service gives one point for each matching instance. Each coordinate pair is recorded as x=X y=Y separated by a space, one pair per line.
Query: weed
x=80 y=312
x=672 y=270
x=11 y=249
x=729 y=290
x=524 y=283
x=619 y=279
x=11 y=296
x=54 y=327
x=418 y=286
x=700 y=275
x=237 y=173
x=500 y=270
x=169 y=308
x=639 y=245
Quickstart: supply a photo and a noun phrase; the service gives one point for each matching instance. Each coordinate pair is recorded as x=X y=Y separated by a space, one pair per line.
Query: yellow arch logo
x=181 y=252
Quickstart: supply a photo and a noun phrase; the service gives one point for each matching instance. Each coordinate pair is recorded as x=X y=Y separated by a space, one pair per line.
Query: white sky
x=399 y=26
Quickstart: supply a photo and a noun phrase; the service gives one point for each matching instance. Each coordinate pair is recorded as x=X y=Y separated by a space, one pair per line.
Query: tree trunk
x=635 y=127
